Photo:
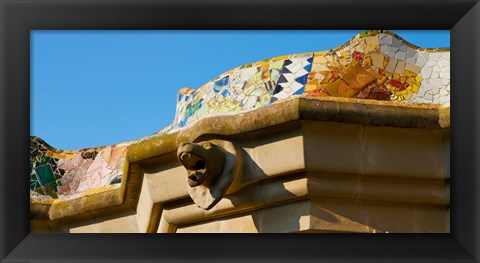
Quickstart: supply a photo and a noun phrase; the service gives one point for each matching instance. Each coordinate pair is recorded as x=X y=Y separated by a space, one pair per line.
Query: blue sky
x=93 y=88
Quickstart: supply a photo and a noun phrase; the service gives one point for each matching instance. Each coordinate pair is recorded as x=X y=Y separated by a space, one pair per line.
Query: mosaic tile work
x=375 y=65
x=58 y=174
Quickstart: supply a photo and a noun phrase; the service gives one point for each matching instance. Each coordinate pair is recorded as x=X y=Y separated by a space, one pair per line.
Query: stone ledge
x=295 y=187
x=304 y=107
x=329 y=109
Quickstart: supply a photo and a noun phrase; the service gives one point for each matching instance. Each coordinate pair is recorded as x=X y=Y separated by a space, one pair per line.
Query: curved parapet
x=58 y=174
x=373 y=65
x=373 y=68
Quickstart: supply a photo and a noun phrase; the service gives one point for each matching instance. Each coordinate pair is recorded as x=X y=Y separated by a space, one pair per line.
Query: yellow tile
x=310 y=87
x=319 y=60
x=381 y=80
x=280 y=58
x=418 y=79
x=415 y=88
x=367 y=61
x=261 y=63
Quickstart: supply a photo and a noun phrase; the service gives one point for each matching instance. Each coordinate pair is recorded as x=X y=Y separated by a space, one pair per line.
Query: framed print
x=203 y=152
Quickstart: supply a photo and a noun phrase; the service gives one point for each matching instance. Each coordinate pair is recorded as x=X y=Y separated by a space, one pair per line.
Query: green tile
x=45 y=174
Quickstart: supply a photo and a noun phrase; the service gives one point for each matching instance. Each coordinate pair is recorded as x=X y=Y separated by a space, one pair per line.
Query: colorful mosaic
x=58 y=174
x=376 y=65
x=373 y=65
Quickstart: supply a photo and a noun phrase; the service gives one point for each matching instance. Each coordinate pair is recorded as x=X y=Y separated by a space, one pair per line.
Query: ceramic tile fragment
x=391 y=65
x=377 y=59
x=400 y=55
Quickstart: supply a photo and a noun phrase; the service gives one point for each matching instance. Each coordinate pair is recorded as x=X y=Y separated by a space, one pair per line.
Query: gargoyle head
x=211 y=170
x=203 y=161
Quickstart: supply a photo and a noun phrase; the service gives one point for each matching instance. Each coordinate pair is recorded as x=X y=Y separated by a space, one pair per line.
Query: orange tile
x=340 y=88
x=357 y=76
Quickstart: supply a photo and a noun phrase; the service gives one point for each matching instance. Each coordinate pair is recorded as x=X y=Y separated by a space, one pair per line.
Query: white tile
x=431 y=63
x=444 y=92
x=294 y=67
x=445 y=75
x=295 y=86
x=300 y=73
x=421 y=61
x=400 y=55
x=411 y=61
x=435 y=82
x=444 y=63
x=426 y=72
x=281 y=95
x=435 y=56
x=289 y=76
x=387 y=40
x=410 y=52
x=428 y=96
x=384 y=49
x=396 y=42
x=251 y=100
x=393 y=49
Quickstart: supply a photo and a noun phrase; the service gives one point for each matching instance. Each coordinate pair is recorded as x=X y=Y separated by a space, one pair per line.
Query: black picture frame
x=18 y=17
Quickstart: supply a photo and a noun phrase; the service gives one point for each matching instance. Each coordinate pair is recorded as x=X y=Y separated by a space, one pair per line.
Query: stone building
x=352 y=139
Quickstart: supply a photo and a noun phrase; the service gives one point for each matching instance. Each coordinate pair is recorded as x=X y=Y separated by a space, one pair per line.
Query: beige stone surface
x=285 y=218
x=117 y=224
x=405 y=152
x=254 y=196
x=236 y=224
x=347 y=216
x=335 y=147
x=165 y=179
x=379 y=188
x=266 y=155
x=144 y=208
x=383 y=151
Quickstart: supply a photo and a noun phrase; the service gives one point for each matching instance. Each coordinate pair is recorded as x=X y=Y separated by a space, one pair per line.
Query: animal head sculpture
x=213 y=167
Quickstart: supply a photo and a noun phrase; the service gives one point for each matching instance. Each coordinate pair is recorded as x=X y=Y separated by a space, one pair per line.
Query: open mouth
x=195 y=166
